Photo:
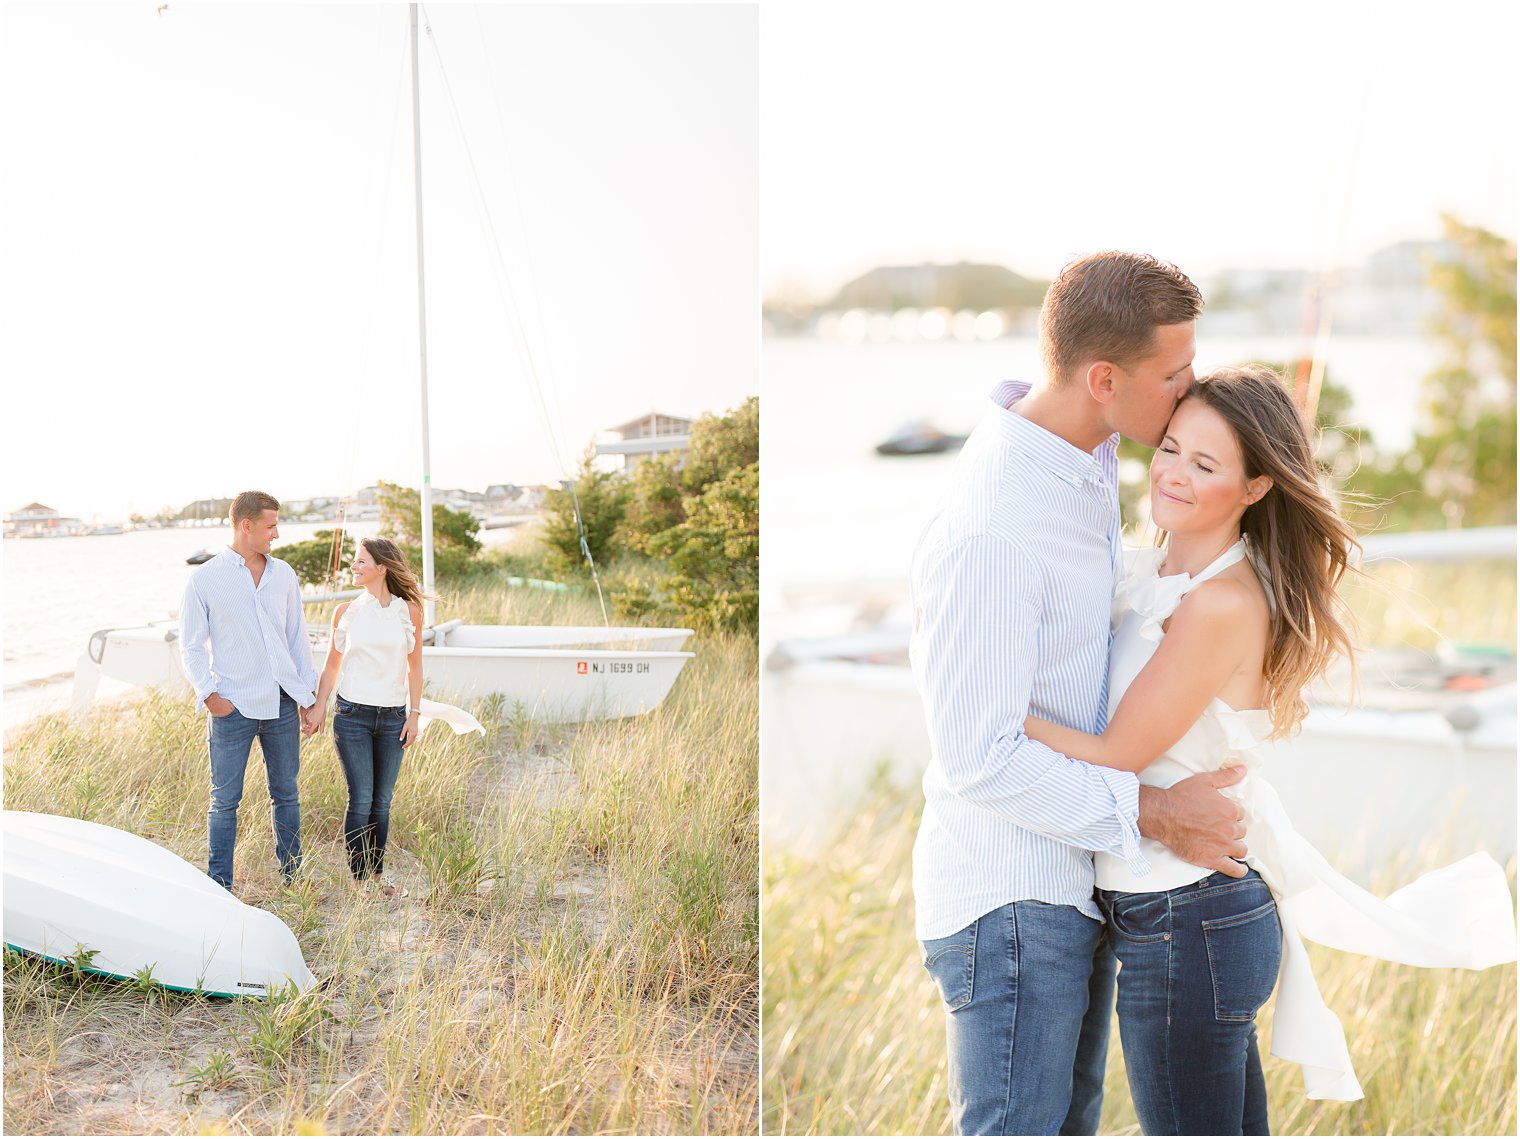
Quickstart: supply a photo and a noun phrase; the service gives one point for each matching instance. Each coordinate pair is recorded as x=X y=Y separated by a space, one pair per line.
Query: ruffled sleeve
x=1153 y=597
x=340 y=631
x=404 y=616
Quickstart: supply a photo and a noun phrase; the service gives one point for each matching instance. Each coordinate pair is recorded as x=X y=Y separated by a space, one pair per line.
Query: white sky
x=207 y=244
x=1216 y=135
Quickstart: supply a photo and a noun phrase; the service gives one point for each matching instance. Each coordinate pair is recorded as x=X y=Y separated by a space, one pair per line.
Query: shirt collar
x=235 y=556
x=1061 y=458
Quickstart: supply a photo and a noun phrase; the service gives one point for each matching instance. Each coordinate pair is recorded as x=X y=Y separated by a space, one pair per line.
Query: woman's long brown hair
x=399 y=578
x=1298 y=542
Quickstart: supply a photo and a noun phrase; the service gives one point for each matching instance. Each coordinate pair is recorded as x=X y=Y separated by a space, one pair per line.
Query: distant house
x=34 y=520
x=647 y=436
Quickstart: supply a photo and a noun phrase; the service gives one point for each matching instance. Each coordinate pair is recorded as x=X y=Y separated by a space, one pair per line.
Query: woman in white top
x=1218 y=633
x=374 y=660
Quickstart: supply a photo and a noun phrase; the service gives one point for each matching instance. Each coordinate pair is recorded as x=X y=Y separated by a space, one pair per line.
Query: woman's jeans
x=1028 y=991
x=369 y=744
x=1196 y=963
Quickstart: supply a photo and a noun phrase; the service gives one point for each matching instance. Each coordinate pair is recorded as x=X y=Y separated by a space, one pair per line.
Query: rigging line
x=522 y=228
x=1351 y=88
x=360 y=379
x=503 y=281
x=504 y=285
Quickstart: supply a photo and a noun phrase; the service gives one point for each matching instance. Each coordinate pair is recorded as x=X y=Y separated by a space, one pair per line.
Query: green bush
x=454 y=542
x=312 y=559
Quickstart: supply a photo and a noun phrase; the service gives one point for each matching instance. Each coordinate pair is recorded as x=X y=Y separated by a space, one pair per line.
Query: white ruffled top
x=375 y=640
x=1459 y=916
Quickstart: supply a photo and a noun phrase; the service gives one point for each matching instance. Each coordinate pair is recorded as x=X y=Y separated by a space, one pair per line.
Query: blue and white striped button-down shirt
x=1013 y=585
x=246 y=643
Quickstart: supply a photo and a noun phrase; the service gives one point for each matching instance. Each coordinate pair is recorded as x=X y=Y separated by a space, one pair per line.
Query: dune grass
x=854 y=1030
x=578 y=953
x=1420 y=603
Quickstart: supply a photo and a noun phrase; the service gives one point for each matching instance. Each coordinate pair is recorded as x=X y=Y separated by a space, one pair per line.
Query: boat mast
x=428 y=614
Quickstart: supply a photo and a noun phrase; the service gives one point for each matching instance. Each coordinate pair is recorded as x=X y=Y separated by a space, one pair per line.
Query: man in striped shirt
x=1012 y=588
x=243 y=641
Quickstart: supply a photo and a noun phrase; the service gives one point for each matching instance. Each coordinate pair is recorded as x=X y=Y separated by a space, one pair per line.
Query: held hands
x=1196 y=823
x=313 y=719
x=410 y=731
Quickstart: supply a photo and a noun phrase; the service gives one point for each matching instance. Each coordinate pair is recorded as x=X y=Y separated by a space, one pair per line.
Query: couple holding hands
x=245 y=648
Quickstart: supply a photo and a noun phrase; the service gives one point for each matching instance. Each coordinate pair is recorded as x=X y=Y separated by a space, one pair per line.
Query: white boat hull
x=535 y=667
x=460 y=636
x=1366 y=787
x=72 y=885
x=566 y=686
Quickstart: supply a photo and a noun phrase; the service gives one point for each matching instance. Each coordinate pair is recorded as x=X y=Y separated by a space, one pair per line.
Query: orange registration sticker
x=580 y=668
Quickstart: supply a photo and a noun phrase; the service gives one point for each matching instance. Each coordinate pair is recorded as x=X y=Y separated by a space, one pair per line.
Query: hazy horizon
x=210 y=254
x=1214 y=136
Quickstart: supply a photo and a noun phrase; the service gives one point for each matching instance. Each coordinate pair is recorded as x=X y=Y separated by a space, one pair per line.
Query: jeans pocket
x=1245 y=951
x=1139 y=918
x=951 y=962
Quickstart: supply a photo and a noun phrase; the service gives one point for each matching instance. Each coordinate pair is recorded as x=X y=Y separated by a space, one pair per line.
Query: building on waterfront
x=34 y=520
x=648 y=436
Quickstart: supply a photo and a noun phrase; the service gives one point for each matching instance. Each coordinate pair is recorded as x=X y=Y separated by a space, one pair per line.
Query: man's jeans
x=369 y=745
x=1199 y=961
x=1028 y=992
x=231 y=737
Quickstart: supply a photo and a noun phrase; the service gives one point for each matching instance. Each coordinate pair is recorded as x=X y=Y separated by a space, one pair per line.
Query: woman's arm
x=1203 y=647
x=410 y=732
x=329 y=678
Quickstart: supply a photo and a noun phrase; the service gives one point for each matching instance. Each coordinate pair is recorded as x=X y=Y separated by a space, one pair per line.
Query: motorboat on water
x=919 y=437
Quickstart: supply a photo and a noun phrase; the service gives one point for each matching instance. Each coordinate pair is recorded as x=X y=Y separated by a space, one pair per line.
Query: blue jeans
x=1028 y=992
x=1197 y=963
x=230 y=739
x=369 y=744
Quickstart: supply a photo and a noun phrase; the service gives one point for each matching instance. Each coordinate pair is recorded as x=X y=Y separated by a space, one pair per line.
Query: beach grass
x=854 y=1029
x=578 y=952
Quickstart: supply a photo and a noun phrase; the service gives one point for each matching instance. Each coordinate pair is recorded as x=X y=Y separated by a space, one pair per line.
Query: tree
x=454 y=541
x=654 y=503
x=715 y=553
x=721 y=444
x=704 y=526
x=602 y=499
x=1460 y=470
x=312 y=559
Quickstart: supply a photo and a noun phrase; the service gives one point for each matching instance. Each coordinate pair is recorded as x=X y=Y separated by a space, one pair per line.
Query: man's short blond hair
x=1107 y=306
x=251 y=505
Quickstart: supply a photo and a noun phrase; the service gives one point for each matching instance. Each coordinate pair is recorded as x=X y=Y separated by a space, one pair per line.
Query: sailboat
x=555 y=674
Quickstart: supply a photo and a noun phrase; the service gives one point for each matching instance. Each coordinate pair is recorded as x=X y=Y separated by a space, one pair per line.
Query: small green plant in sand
x=284 y=1025
x=217 y=1072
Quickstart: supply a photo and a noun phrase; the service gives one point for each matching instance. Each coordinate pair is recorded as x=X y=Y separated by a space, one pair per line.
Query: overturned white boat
x=113 y=903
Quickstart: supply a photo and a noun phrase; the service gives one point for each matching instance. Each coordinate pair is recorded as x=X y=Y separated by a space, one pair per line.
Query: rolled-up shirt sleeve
x=975 y=651
x=194 y=641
